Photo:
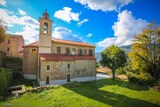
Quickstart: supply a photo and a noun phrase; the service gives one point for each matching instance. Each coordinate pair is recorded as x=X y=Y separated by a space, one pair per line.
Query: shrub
x=5 y=81
x=142 y=79
x=13 y=63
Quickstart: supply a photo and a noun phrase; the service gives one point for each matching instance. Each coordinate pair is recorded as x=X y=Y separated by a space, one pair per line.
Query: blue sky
x=98 y=22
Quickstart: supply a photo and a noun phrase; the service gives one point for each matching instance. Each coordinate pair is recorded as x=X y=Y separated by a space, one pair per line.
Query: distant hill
x=98 y=57
x=126 y=48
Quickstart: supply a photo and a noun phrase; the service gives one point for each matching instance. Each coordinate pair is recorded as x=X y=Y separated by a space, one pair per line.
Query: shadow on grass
x=91 y=91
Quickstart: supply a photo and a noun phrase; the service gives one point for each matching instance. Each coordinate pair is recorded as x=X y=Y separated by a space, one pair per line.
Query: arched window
x=47 y=80
x=45 y=27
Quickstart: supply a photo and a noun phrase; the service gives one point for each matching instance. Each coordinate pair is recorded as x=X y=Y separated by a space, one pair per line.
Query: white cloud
x=89 y=35
x=125 y=29
x=66 y=34
x=66 y=15
x=104 y=5
x=81 y=22
x=10 y=19
x=29 y=34
x=3 y=2
x=21 y=12
x=29 y=24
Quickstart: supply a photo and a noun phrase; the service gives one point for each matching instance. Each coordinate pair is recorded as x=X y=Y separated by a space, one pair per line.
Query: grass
x=101 y=93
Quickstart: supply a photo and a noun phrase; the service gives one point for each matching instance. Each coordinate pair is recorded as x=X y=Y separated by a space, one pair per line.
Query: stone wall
x=30 y=62
x=59 y=70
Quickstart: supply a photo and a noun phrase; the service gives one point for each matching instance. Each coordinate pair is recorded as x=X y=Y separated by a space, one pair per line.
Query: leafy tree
x=145 y=51
x=2 y=32
x=113 y=57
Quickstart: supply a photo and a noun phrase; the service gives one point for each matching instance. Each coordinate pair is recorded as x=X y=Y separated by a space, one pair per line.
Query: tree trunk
x=113 y=74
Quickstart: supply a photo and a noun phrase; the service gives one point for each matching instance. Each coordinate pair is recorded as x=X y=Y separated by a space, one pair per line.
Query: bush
x=5 y=81
x=143 y=79
x=14 y=63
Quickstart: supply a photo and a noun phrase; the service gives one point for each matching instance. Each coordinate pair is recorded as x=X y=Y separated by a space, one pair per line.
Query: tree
x=2 y=32
x=113 y=57
x=145 y=51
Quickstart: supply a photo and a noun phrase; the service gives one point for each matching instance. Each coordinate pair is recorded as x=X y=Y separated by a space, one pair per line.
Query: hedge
x=6 y=77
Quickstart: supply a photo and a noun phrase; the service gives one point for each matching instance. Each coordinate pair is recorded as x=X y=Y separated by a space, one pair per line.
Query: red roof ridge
x=62 y=41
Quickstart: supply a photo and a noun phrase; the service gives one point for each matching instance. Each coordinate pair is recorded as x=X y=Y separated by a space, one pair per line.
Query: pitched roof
x=62 y=57
x=67 y=42
x=16 y=36
x=60 y=41
x=34 y=44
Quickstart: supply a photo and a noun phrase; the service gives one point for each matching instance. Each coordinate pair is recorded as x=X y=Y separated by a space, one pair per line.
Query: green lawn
x=101 y=93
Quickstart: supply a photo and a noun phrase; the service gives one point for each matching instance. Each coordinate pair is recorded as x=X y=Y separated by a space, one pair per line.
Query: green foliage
x=29 y=84
x=101 y=93
x=2 y=32
x=97 y=65
x=143 y=79
x=14 y=63
x=5 y=81
x=120 y=70
x=145 y=52
x=113 y=57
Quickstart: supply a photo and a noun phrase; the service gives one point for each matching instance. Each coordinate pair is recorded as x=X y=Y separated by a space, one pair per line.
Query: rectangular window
x=58 y=50
x=8 y=41
x=7 y=49
x=90 y=52
x=48 y=67
x=33 y=51
x=80 y=52
x=68 y=66
x=68 y=51
x=73 y=51
x=85 y=52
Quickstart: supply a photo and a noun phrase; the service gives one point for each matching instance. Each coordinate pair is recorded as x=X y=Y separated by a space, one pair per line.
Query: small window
x=48 y=67
x=80 y=52
x=73 y=51
x=58 y=50
x=68 y=66
x=85 y=52
x=7 y=49
x=90 y=52
x=68 y=51
x=33 y=51
x=8 y=41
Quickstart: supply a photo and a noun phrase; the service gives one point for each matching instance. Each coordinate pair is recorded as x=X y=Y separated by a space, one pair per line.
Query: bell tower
x=45 y=33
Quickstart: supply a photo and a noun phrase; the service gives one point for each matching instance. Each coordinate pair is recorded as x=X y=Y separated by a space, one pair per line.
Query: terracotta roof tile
x=59 y=41
x=62 y=57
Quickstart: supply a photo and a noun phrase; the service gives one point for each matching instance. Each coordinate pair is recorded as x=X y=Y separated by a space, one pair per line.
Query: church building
x=54 y=61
